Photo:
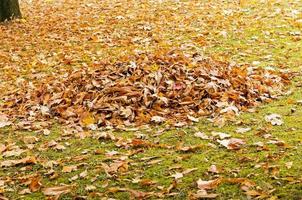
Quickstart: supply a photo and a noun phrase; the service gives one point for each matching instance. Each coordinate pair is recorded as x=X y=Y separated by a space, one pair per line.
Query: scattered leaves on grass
x=151 y=82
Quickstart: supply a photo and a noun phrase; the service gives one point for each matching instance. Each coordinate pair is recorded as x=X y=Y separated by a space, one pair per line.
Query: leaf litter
x=165 y=87
x=131 y=93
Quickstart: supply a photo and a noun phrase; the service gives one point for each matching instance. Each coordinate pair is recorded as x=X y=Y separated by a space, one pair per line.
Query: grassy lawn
x=57 y=36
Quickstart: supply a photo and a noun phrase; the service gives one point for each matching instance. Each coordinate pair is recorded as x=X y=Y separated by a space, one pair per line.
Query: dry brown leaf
x=289 y=165
x=203 y=194
x=57 y=190
x=274 y=119
x=115 y=167
x=70 y=168
x=206 y=185
x=213 y=169
x=90 y=188
x=201 y=135
x=4 y=120
x=30 y=139
x=177 y=175
x=10 y=163
x=243 y=130
x=35 y=184
x=233 y=143
x=14 y=152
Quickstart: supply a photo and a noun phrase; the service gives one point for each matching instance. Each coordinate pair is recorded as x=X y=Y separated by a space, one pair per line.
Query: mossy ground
x=262 y=31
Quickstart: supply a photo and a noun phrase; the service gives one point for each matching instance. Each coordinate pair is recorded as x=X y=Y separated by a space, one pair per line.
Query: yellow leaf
x=88 y=120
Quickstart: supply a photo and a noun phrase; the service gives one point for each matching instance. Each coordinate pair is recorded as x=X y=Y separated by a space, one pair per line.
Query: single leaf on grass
x=187 y=171
x=289 y=165
x=274 y=119
x=22 y=192
x=70 y=168
x=203 y=194
x=57 y=190
x=30 y=139
x=177 y=175
x=90 y=188
x=213 y=169
x=233 y=143
x=26 y=160
x=206 y=185
x=188 y=148
x=139 y=194
x=221 y=135
x=201 y=135
x=243 y=130
x=83 y=174
x=14 y=152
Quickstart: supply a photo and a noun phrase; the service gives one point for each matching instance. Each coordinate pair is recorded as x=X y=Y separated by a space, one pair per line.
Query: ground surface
x=56 y=36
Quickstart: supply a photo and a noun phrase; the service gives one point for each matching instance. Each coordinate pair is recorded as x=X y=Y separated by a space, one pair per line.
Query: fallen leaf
x=187 y=171
x=233 y=143
x=30 y=139
x=14 y=152
x=289 y=165
x=201 y=135
x=177 y=175
x=4 y=121
x=70 y=168
x=274 y=119
x=153 y=162
x=57 y=191
x=35 y=184
x=157 y=119
x=189 y=148
x=83 y=174
x=206 y=185
x=252 y=193
x=243 y=130
x=203 y=194
x=10 y=163
x=193 y=119
x=22 y=192
x=90 y=188
x=88 y=119
x=221 y=135
x=213 y=169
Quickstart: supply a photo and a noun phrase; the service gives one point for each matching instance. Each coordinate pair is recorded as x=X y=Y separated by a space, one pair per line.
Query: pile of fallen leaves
x=170 y=87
